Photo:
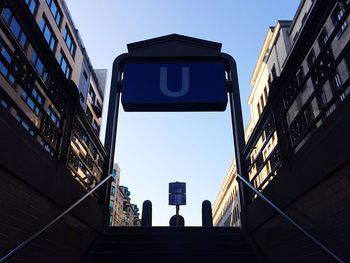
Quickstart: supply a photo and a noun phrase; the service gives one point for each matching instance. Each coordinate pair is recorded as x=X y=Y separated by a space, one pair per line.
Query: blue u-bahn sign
x=174 y=86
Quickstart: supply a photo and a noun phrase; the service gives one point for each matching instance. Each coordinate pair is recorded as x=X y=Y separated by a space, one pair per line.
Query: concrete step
x=200 y=247
x=174 y=257
x=173 y=244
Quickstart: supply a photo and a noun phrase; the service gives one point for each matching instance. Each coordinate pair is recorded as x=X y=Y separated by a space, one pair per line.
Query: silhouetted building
x=300 y=88
x=297 y=145
x=36 y=101
x=51 y=104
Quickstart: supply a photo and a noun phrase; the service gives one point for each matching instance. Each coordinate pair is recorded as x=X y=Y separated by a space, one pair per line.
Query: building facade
x=296 y=142
x=122 y=211
x=310 y=98
x=114 y=207
x=51 y=153
x=130 y=212
x=268 y=68
x=269 y=65
x=42 y=37
x=226 y=211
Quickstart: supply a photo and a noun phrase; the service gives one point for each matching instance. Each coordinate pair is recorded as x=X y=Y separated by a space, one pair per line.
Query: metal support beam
x=237 y=129
x=111 y=129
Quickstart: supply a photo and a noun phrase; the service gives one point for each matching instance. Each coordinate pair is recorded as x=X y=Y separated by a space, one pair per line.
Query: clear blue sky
x=154 y=149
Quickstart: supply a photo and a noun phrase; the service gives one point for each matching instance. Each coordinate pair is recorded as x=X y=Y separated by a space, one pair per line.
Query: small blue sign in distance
x=177 y=188
x=174 y=86
x=177 y=193
x=177 y=199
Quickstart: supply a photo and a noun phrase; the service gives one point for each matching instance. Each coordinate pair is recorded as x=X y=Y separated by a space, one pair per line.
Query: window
x=114 y=174
x=32 y=5
x=113 y=190
x=337 y=80
x=37 y=95
x=300 y=75
x=85 y=75
x=336 y=17
x=4 y=53
x=259 y=109
x=295 y=36
x=92 y=94
x=4 y=71
x=81 y=96
x=53 y=116
x=304 y=18
x=323 y=38
x=39 y=66
x=262 y=103
x=56 y=13
x=273 y=72
x=48 y=34
x=89 y=114
x=95 y=126
x=85 y=138
x=14 y=26
x=311 y=58
x=3 y=102
x=30 y=103
x=67 y=70
x=24 y=124
x=265 y=94
x=67 y=36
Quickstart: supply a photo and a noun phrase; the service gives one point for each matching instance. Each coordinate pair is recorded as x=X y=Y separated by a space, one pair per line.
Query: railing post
x=207 y=216
x=146 y=219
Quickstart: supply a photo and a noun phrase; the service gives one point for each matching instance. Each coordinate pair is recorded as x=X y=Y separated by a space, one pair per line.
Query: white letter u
x=164 y=83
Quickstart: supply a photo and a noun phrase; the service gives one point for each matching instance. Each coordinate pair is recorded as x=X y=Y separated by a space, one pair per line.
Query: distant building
x=130 y=212
x=122 y=212
x=113 y=204
x=226 y=211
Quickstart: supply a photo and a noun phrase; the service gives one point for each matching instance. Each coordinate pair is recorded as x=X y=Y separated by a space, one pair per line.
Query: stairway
x=172 y=244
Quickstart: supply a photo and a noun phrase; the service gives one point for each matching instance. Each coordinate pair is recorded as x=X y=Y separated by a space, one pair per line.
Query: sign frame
x=180 y=48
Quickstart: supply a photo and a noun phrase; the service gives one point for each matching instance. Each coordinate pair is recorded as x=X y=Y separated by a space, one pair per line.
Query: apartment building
x=226 y=210
x=43 y=61
x=309 y=108
x=122 y=211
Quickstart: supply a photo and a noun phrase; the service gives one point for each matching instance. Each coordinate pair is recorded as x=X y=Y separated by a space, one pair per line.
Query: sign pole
x=177 y=214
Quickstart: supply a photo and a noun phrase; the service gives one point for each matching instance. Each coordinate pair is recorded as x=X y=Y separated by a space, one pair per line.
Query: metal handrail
x=290 y=220
x=28 y=240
